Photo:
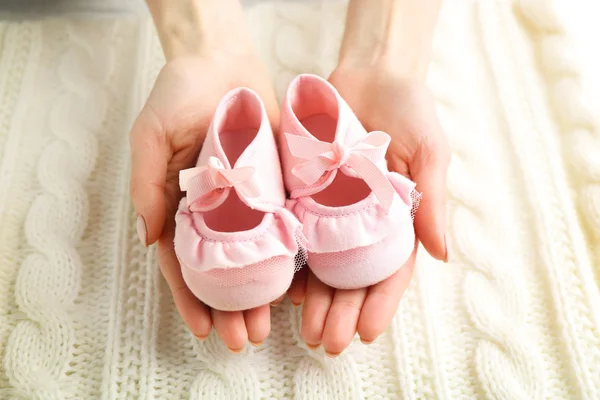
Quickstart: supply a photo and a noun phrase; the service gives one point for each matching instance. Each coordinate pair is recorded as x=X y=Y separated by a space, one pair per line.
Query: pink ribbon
x=204 y=186
x=362 y=158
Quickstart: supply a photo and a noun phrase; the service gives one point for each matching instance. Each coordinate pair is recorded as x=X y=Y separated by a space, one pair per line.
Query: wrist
x=192 y=28
x=394 y=35
x=410 y=63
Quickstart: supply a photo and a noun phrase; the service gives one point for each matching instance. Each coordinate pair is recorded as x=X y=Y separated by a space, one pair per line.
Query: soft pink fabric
x=334 y=229
x=327 y=156
x=233 y=217
x=360 y=159
x=312 y=108
x=364 y=266
x=227 y=290
x=201 y=183
x=204 y=249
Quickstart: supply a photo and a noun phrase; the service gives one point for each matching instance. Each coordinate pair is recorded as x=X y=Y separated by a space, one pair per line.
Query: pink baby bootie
x=357 y=216
x=234 y=238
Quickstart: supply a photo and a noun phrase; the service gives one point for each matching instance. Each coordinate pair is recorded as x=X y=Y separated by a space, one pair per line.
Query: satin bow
x=362 y=158
x=204 y=185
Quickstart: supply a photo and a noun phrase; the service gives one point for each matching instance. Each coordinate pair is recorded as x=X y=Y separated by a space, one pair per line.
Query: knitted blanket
x=85 y=313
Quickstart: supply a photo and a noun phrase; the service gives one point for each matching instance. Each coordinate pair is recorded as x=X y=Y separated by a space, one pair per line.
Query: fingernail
x=446 y=246
x=140 y=225
x=236 y=351
x=277 y=301
x=201 y=338
x=296 y=304
x=366 y=341
x=255 y=344
x=313 y=346
x=331 y=355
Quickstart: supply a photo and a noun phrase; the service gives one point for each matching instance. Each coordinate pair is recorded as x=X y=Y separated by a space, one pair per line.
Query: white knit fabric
x=85 y=313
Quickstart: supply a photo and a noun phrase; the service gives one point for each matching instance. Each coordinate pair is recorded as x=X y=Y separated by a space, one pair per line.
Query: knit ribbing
x=493 y=292
x=579 y=126
x=567 y=262
x=20 y=44
x=513 y=314
x=49 y=277
x=579 y=131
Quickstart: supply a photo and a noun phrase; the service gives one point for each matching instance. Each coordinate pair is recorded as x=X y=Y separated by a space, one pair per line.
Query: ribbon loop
x=363 y=158
x=203 y=185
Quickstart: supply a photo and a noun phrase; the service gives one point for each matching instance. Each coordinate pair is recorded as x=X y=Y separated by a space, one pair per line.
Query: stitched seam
x=335 y=216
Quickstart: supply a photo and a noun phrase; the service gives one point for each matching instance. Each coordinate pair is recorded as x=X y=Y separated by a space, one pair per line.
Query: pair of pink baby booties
x=238 y=239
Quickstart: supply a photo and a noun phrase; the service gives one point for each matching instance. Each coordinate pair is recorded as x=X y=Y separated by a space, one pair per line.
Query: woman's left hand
x=404 y=108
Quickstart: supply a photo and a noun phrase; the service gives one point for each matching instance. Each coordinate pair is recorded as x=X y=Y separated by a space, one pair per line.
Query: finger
x=342 y=320
x=428 y=170
x=231 y=327
x=258 y=324
x=382 y=302
x=149 y=157
x=316 y=307
x=297 y=290
x=195 y=314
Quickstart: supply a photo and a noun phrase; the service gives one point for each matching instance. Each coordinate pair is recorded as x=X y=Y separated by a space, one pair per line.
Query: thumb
x=149 y=155
x=428 y=169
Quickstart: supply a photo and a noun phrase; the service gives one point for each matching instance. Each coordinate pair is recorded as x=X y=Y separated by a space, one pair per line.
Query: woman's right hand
x=166 y=138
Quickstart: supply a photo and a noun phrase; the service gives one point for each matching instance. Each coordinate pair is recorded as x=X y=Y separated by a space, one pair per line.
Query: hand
x=404 y=108
x=166 y=138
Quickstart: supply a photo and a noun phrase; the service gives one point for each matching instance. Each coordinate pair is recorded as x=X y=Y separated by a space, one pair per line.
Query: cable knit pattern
x=40 y=348
x=19 y=46
x=225 y=376
x=317 y=376
x=577 y=299
x=507 y=361
x=578 y=125
x=85 y=313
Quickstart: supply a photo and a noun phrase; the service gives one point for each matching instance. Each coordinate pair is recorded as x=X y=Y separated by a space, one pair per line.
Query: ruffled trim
x=200 y=248
x=331 y=229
